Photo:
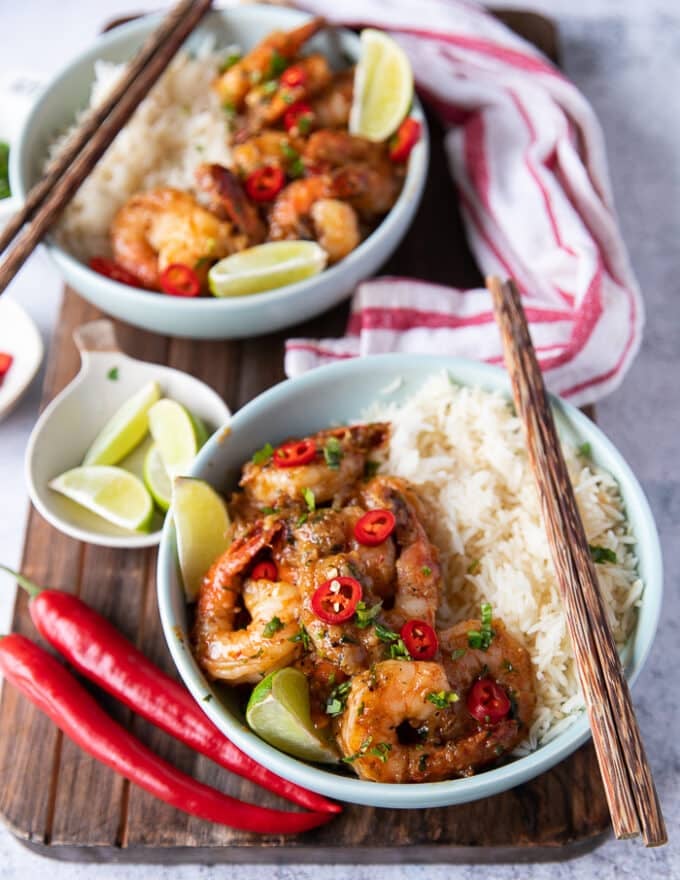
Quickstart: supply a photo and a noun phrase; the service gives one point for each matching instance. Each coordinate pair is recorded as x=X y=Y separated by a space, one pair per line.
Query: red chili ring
x=488 y=702
x=294 y=454
x=6 y=361
x=374 y=527
x=264 y=184
x=114 y=271
x=293 y=76
x=420 y=639
x=407 y=136
x=295 y=113
x=335 y=601
x=265 y=570
x=179 y=280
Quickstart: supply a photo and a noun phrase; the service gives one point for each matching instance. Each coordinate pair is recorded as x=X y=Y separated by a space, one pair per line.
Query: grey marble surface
x=625 y=55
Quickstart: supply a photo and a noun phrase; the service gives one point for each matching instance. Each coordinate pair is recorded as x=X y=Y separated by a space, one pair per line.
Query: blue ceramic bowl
x=338 y=393
x=209 y=317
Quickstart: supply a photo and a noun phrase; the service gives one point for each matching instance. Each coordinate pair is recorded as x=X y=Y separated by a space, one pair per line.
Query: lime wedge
x=112 y=493
x=125 y=429
x=383 y=87
x=202 y=529
x=278 y=711
x=177 y=434
x=265 y=267
x=156 y=478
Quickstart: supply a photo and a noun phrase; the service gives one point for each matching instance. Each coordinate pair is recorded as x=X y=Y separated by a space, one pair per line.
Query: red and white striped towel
x=527 y=155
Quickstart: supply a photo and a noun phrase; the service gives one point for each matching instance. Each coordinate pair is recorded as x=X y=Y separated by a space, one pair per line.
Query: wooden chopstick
x=93 y=137
x=633 y=802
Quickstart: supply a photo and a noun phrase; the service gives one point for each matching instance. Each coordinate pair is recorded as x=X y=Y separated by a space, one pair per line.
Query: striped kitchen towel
x=527 y=155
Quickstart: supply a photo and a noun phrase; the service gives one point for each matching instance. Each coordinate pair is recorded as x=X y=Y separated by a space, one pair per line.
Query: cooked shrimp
x=229 y=200
x=331 y=107
x=268 y=484
x=265 y=148
x=336 y=227
x=164 y=226
x=266 y=105
x=418 y=573
x=371 y=190
x=505 y=660
x=335 y=149
x=245 y=655
x=235 y=83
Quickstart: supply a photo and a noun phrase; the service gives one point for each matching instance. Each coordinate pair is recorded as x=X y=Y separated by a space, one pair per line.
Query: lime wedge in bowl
x=278 y=711
x=265 y=267
x=178 y=435
x=383 y=87
x=112 y=493
x=125 y=429
x=156 y=478
x=202 y=529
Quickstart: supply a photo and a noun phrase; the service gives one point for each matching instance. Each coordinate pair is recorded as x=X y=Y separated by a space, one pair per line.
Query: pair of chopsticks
x=629 y=787
x=83 y=150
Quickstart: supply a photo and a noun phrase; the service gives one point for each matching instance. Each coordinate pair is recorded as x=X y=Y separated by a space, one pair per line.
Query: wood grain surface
x=62 y=803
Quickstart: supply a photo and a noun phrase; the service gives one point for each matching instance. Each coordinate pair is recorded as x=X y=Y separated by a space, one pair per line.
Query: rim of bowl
x=412 y=188
x=428 y=794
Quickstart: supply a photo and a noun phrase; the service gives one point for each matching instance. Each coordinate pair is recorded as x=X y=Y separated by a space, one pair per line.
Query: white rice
x=463 y=448
x=176 y=127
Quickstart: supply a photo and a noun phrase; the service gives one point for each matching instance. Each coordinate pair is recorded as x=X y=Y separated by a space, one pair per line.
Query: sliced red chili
x=179 y=280
x=6 y=361
x=299 y=115
x=374 y=527
x=264 y=184
x=265 y=570
x=114 y=271
x=293 y=76
x=294 y=454
x=335 y=601
x=488 y=702
x=407 y=136
x=420 y=639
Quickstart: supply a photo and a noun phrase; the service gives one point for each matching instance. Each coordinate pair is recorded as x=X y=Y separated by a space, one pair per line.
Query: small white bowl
x=19 y=337
x=65 y=430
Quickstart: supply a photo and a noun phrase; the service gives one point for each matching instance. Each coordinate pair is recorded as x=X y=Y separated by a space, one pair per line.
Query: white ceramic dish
x=67 y=427
x=210 y=317
x=19 y=337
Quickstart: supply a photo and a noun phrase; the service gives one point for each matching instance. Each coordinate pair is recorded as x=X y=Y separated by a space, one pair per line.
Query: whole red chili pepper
x=97 y=650
x=50 y=687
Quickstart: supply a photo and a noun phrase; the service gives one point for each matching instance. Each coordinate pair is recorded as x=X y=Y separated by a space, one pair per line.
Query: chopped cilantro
x=287 y=97
x=398 y=650
x=269 y=511
x=332 y=453
x=229 y=107
x=296 y=168
x=304 y=123
x=371 y=468
x=381 y=751
x=385 y=634
x=302 y=636
x=481 y=638
x=310 y=500
x=255 y=77
x=207 y=698
x=365 y=615
x=263 y=455
x=362 y=751
x=113 y=374
x=457 y=654
x=5 y=191
x=442 y=699
x=361 y=709
x=270 y=87
x=422 y=762
x=584 y=450
x=230 y=61
x=202 y=261
x=277 y=64
x=272 y=627
x=302 y=519
x=335 y=704
x=602 y=554
x=473 y=567
x=426 y=570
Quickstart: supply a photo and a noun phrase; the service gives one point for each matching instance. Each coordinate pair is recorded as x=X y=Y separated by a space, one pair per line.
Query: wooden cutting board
x=65 y=805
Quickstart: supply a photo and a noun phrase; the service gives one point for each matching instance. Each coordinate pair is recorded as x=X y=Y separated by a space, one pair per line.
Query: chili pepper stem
x=30 y=586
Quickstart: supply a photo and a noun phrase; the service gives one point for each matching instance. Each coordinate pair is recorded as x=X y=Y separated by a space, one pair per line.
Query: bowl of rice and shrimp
x=182 y=124
x=456 y=438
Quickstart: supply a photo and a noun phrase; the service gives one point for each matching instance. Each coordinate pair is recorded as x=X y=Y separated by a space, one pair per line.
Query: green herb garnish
x=457 y=654
x=229 y=61
x=371 y=468
x=381 y=751
x=229 y=107
x=602 y=554
x=269 y=511
x=584 y=450
x=270 y=87
x=398 y=650
x=481 y=638
x=277 y=64
x=302 y=636
x=113 y=374
x=332 y=453
x=263 y=455
x=426 y=570
x=335 y=704
x=473 y=567
x=272 y=627
x=422 y=763
x=304 y=123
x=5 y=191
x=364 y=615
x=310 y=500
x=362 y=751
x=207 y=698
x=442 y=699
